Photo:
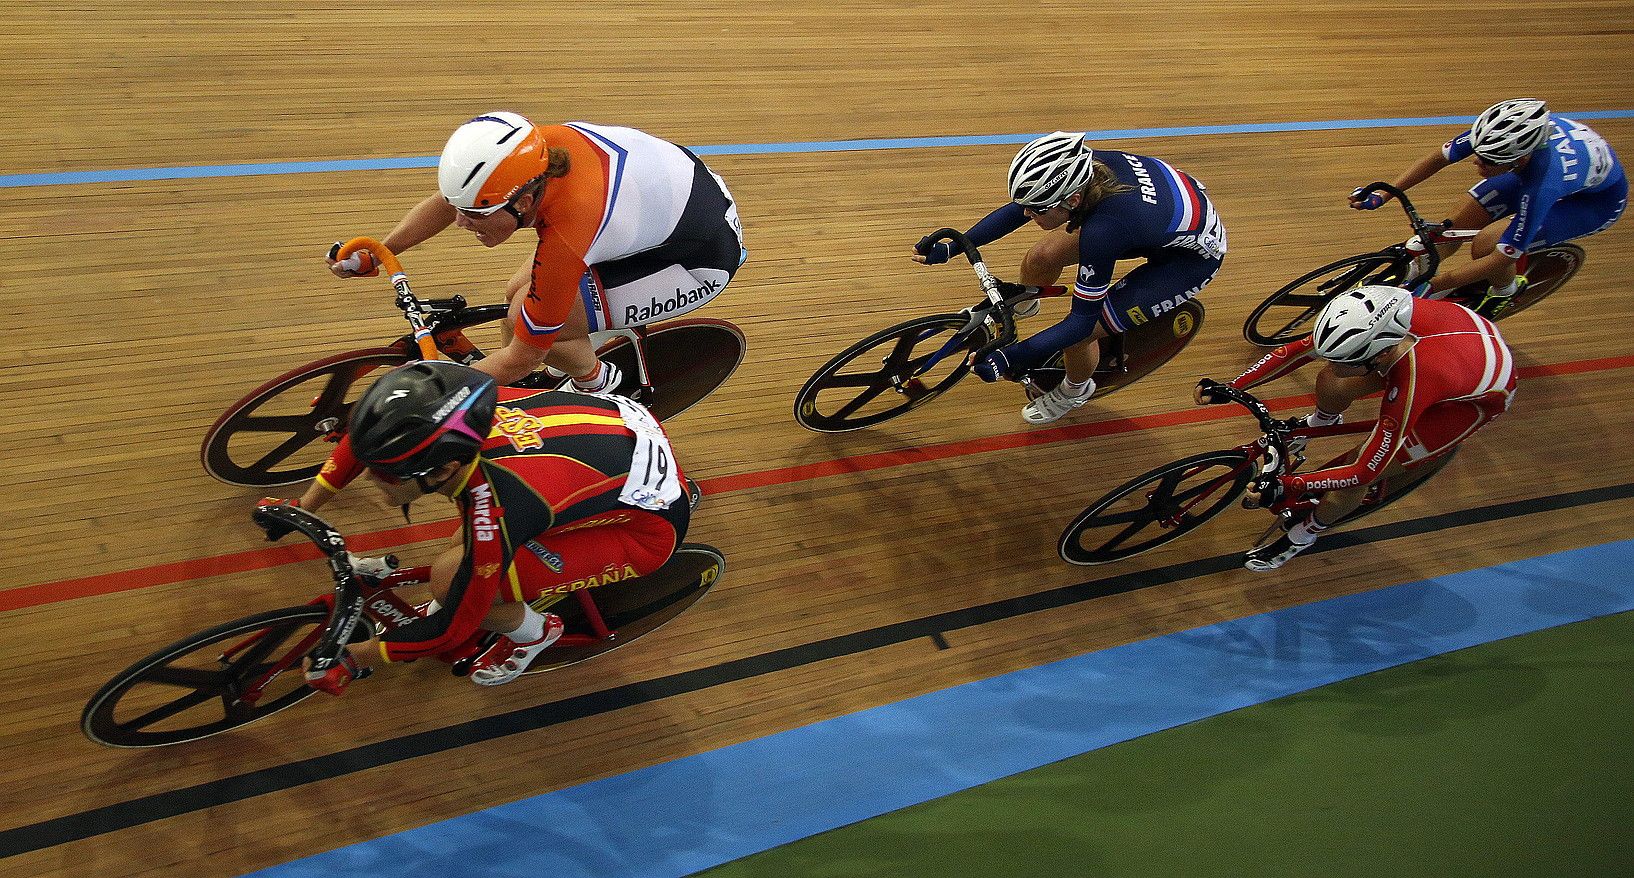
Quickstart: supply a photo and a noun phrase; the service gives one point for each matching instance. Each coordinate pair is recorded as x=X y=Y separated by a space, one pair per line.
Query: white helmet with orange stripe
x=489 y=159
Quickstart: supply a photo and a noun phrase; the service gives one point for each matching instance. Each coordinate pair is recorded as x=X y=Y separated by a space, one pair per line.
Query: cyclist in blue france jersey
x=1097 y=206
x=1552 y=178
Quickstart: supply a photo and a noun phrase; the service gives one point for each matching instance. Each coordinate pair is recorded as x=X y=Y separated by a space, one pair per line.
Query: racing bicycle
x=278 y=434
x=244 y=670
x=1285 y=315
x=1172 y=500
x=899 y=369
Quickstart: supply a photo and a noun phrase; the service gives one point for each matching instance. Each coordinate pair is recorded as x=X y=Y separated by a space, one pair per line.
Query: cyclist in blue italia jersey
x=1097 y=207
x=1552 y=178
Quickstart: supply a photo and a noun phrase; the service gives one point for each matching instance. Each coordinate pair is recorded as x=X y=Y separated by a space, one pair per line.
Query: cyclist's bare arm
x=1418 y=172
x=1043 y=264
x=423 y=221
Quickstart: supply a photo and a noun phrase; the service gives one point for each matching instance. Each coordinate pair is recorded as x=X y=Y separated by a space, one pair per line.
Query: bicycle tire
x=1235 y=463
x=326 y=413
x=892 y=375
x=1326 y=282
x=98 y=720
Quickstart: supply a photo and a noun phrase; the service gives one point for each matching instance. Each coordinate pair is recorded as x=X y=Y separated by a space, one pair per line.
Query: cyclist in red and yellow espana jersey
x=1444 y=371
x=557 y=491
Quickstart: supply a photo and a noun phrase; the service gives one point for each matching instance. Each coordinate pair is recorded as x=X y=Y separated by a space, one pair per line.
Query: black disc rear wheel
x=275 y=435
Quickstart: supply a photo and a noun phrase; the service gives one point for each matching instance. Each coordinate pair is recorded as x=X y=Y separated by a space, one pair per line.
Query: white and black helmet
x=1510 y=130
x=1049 y=169
x=1358 y=325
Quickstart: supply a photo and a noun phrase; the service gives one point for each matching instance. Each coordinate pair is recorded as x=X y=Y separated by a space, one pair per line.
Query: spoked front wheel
x=274 y=436
x=198 y=686
x=1286 y=314
x=1153 y=509
x=879 y=378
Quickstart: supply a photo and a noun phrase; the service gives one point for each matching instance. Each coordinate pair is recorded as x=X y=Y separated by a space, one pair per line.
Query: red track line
x=274 y=556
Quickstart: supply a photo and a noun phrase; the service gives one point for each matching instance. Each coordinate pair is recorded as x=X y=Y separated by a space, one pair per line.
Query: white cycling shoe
x=507 y=659
x=1053 y=405
x=610 y=379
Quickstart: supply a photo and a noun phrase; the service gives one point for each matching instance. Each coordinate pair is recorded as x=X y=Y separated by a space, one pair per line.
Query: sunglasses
x=390 y=479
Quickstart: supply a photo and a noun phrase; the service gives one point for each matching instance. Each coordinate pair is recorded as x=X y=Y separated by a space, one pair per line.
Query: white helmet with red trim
x=489 y=159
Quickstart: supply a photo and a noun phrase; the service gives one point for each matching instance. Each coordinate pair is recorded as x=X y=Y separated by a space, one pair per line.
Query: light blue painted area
x=682 y=816
x=129 y=175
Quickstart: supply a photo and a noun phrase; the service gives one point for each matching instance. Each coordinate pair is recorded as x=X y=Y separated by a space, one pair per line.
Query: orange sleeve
x=570 y=218
x=557 y=268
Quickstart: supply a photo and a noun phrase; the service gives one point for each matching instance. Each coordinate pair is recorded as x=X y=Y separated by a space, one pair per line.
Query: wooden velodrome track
x=140 y=310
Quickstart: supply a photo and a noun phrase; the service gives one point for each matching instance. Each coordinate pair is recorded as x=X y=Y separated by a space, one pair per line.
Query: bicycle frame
x=358 y=598
x=1278 y=450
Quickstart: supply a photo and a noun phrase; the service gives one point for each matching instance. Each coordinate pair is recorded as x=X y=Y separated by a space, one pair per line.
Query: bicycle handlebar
x=1426 y=232
x=1276 y=430
x=411 y=307
x=1001 y=309
x=348 y=595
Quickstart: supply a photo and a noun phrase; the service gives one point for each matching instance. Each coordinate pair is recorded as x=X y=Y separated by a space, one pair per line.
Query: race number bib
x=655 y=480
x=1599 y=154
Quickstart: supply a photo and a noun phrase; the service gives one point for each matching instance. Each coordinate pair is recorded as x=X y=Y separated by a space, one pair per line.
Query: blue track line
x=678 y=817
x=129 y=175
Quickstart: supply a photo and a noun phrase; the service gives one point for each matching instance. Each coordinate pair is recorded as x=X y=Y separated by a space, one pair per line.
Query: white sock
x=1321 y=418
x=432 y=607
x=1076 y=390
x=596 y=381
x=1508 y=289
x=1420 y=260
x=1305 y=532
x=531 y=629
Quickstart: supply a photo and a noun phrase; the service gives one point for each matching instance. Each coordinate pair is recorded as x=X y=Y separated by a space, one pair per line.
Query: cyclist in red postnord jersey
x=557 y=491
x=1444 y=371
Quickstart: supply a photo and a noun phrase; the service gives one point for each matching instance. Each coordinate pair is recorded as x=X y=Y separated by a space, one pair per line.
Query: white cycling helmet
x=1359 y=324
x=1049 y=169
x=489 y=159
x=1510 y=130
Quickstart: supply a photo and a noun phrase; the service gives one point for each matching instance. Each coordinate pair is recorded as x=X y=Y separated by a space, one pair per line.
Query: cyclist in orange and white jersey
x=632 y=229
x=1445 y=372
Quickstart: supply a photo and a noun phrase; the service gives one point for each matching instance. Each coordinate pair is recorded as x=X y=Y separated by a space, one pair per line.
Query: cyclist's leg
x=1148 y=291
x=1487 y=206
x=1435 y=434
x=1583 y=215
x=623 y=543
